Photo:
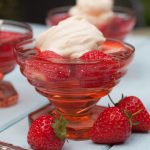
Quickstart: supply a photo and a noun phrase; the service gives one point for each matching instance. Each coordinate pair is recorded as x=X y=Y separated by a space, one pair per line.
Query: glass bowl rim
x=116 y=9
x=71 y=61
x=20 y=24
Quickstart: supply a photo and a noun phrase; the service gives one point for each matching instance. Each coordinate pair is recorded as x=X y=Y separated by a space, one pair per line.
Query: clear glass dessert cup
x=11 y=32
x=121 y=24
x=73 y=93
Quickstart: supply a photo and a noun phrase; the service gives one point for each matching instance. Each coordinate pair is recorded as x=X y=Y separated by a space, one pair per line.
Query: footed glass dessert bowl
x=11 y=33
x=118 y=27
x=74 y=86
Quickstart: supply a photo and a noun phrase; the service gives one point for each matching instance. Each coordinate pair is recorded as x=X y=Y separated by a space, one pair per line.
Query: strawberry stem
x=111 y=100
x=108 y=105
x=115 y=104
x=59 y=127
x=122 y=96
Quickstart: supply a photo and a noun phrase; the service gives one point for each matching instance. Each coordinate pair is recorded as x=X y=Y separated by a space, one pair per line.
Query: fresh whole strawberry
x=97 y=69
x=134 y=107
x=43 y=68
x=111 y=127
x=47 y=133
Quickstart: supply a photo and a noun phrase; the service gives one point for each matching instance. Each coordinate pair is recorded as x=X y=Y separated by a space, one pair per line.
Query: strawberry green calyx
x=130 y=117
x=59 y=127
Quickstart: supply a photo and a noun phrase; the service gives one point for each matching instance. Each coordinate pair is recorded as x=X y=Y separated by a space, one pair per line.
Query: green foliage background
x=146 y=4
x=9 y=9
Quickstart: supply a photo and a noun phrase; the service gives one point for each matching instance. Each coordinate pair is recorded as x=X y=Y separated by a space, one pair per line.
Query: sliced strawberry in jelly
x=46 y=71
x=7 y=36
x=6 y=50
x=110 y=47
x=96 y=63
x=99 y=68
x=47 y=55
x=119 y=50
x=43 y=69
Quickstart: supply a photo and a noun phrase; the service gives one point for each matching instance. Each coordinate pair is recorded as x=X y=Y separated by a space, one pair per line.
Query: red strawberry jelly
x=121 y=24
x=8 y=95
x=7 y=42
x=118 y=27
x=11 y=32
x=74 y=86
x=57 y=18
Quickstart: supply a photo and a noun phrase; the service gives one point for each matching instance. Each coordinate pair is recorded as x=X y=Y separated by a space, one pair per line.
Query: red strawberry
x=96 y=55
x=97 y=68
x=111 y=127
x=140 y=116
x=119 y=50
x=46 y=133
x=43 y=68
x=46 y=55
x=111 y=47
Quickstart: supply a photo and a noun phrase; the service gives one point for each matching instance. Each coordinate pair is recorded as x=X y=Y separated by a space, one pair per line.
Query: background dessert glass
x=121 y=24
x=73 y=97
x=11 y=32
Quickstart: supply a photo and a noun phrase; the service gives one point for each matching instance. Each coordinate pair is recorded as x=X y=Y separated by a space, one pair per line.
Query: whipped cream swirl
x=95 y=11
x=71 y=38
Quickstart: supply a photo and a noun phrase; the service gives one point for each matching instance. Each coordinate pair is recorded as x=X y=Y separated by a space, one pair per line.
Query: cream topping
x=71 y=38
x=95 y=11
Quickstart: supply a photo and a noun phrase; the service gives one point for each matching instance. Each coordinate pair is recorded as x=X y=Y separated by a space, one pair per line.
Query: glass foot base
x=8 y=95
x=78 y=126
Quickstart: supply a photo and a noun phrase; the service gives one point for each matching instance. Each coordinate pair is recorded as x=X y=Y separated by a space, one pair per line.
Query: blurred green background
x=146 y=6
x=36 y=10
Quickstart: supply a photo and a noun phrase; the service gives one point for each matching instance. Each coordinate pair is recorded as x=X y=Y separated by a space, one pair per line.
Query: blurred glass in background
x=36 y=10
